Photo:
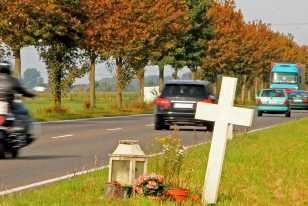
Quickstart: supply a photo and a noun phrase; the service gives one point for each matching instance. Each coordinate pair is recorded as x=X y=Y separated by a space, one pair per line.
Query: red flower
x=151 y=184
x=145 y=177
x=159 y=178
x=138 y=181
x=139 y=190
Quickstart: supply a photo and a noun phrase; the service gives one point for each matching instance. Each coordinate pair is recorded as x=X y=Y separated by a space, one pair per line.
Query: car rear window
x=273 y=93
x=184 y=89
x=298 y=94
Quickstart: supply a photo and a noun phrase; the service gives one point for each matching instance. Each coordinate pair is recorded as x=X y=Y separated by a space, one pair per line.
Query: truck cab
x=288 y=76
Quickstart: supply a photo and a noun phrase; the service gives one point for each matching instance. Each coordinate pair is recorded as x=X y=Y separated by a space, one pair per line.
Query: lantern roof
x=128 y=148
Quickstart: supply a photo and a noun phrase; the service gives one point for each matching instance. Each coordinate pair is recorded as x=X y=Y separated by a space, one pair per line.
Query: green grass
x=74 y=104
x=267 y=167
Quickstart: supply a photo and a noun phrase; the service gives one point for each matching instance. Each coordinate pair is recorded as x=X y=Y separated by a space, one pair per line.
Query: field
x=75 y=106
x=267 y=167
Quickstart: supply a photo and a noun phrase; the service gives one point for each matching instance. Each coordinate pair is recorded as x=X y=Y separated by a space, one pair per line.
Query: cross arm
x=238 y=116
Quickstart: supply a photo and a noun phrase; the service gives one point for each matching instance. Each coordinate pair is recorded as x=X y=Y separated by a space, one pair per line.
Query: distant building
x=151 y=93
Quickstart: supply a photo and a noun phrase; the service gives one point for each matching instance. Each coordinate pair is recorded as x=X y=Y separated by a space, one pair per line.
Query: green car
x=273 y=101
x=298 y=99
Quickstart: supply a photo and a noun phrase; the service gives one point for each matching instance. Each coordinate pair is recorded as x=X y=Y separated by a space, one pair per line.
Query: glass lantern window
x=120 y=171
x=139 y=168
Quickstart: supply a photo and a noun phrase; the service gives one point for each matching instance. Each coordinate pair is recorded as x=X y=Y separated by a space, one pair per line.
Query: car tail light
x=163 y=102
x=292 y=100
x=289 y=89
x=286 y=102
x=1 y=119
x=207 y=101
x=259 y=101
x=305 y=100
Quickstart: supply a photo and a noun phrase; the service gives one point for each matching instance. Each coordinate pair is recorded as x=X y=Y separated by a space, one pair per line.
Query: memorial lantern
x=127 y=162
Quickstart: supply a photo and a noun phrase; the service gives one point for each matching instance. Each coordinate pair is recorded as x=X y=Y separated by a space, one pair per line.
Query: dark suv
x=177 y=103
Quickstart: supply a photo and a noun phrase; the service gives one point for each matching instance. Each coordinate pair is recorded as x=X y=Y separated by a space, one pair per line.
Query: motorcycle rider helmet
x=5 y=67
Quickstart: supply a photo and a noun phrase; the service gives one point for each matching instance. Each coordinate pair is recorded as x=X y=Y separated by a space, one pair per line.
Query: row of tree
x=246 y=50
x=208 y=36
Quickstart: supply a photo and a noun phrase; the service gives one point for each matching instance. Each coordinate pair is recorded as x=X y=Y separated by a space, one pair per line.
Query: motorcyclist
x=11 y=85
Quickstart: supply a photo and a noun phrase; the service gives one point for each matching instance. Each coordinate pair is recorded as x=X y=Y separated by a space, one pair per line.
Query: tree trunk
x=215 y=84
x=17 y=70
x=175 y=74
x=161 y=78
x=57 y=89
x=140 y=76
x=92 y=81
x=215 y=87
x=193 y=73
x=256 y=86
x=243 y=88
x=248 y=95
x=119 y=83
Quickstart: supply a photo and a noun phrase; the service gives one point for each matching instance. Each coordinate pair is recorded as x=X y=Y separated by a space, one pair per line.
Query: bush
x=52 y=109
x=86 y=103
x=131 y=105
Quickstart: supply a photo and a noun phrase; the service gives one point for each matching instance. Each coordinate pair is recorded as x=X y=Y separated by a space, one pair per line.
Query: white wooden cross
x=223 y=114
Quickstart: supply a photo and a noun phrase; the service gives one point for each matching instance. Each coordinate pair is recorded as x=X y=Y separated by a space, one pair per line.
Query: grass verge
x=267 y=167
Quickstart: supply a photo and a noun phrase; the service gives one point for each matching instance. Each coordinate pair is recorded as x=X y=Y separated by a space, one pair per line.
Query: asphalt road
x=68 y=146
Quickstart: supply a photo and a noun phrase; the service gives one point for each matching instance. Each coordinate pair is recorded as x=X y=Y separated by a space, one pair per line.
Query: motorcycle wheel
x=14 y=153
x=2 y=151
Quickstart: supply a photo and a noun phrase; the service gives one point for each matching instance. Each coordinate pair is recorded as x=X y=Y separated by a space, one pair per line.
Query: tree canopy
x=210 y=37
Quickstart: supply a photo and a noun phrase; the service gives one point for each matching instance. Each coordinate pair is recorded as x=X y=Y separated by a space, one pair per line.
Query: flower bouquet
x=150 y=184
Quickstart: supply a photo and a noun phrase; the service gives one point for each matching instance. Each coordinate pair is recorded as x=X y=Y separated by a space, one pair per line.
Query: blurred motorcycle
x=16 y=131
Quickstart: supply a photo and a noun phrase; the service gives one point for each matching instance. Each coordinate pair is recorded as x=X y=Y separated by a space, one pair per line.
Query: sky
x=285 y=16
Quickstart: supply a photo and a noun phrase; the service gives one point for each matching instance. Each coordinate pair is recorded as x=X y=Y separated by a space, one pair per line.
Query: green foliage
x=62 y=68
x=128 y=185
x=58 y=47
x=201 y=31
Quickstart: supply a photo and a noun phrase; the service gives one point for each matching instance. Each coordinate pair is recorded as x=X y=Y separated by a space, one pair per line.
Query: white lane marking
x=69 y=135
x=261 y=129
x=149 y=125
x=113 y=129
x=87 y=119
x=268 y=127
x=17 y=189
